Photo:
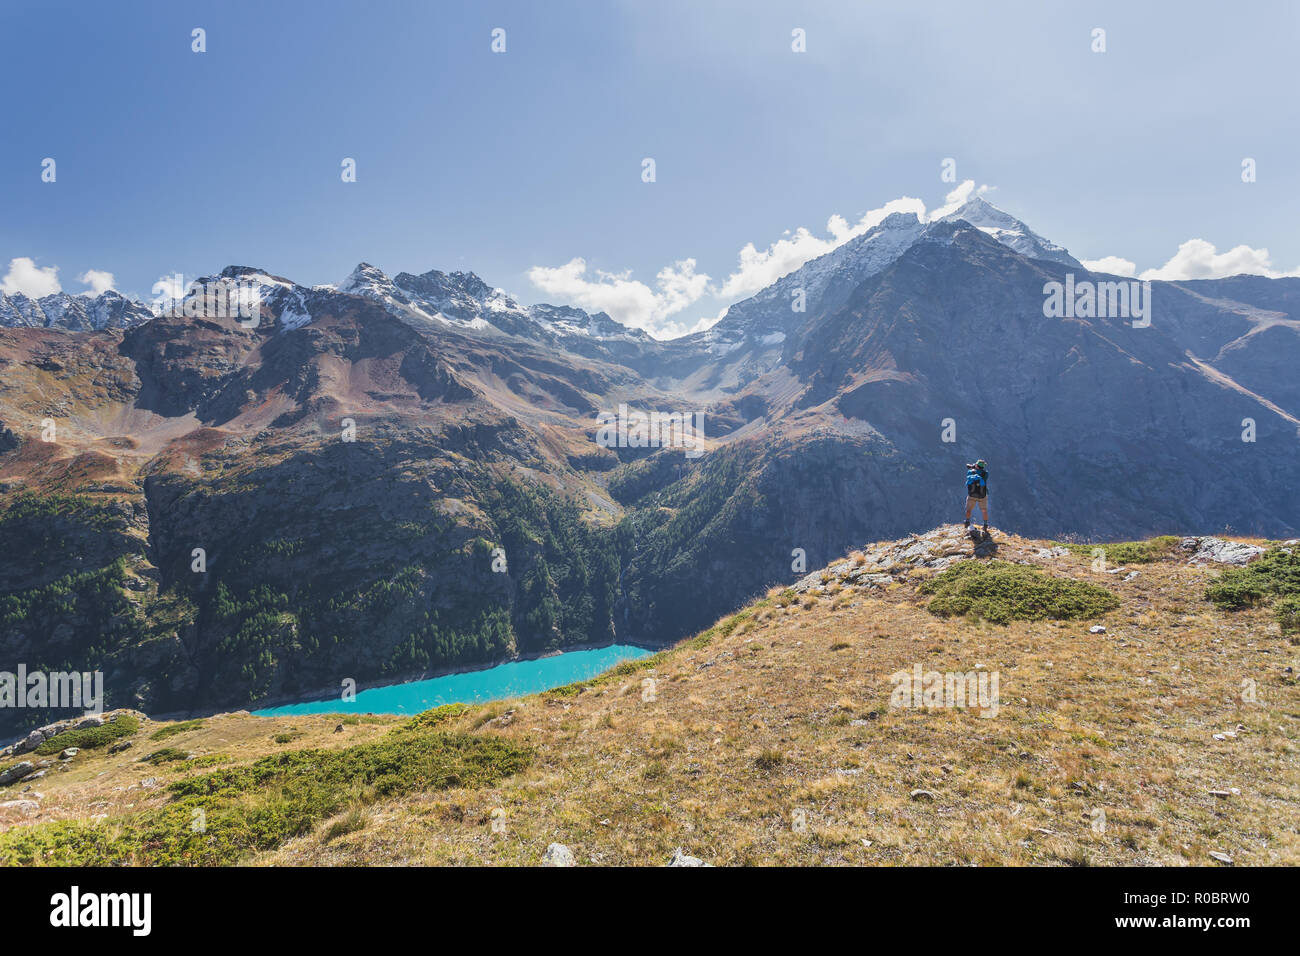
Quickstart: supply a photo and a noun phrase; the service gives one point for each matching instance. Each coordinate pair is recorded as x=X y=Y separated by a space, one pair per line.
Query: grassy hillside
x=771 y=739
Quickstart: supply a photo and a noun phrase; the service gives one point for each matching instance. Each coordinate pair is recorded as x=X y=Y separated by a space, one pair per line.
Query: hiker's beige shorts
x=972 y=502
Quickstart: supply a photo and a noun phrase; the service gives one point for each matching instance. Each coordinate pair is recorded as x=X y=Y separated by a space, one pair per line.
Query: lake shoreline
x=331 y=693
x=331 y=696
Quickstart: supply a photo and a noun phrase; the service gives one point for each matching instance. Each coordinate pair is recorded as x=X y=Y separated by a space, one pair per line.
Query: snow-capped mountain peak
x=566 y=320
x=1010 y=231
x=76 y=313
x=819 y=284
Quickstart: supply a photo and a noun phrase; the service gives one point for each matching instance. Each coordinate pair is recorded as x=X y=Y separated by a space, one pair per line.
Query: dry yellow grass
x=777 y=744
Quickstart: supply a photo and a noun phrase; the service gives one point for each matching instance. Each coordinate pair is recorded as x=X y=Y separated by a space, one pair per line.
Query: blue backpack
x=977 y=483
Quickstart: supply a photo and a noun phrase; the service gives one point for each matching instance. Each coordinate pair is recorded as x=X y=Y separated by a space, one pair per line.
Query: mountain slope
x=776 y=738
x=346 y=480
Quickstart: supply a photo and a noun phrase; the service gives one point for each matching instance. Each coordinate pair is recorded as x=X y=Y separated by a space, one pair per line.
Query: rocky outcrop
x=1210 y=550
x=16 y=772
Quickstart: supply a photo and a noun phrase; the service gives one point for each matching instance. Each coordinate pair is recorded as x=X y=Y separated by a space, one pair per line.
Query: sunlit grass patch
x=1128 y=552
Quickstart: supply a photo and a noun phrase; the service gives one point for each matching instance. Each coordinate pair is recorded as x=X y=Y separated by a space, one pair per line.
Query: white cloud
x=628 y=300
x=1110 y=265
x=956 y=199
x=679 y=286
x=1198 y=259
x=169 y=288
x=672 y=329
x=98 y=280
x=29 y=279
x=758 y=270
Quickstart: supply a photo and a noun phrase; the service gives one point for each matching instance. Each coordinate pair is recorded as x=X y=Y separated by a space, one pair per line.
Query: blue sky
x=514 y=165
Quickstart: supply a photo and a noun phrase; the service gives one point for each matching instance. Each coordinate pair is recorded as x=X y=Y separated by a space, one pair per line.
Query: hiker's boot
x=986 y=527
x=966 y=523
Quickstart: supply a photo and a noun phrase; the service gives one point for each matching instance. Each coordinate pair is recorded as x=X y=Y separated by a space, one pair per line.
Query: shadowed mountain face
x=401 y=475
x=1096 y=426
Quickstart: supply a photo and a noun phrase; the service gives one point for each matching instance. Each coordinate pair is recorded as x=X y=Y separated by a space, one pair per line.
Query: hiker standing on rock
x=977 y=491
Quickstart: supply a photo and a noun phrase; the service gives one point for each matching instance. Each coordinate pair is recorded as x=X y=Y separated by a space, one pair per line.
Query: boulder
x=1211 y=550
x=30 y=742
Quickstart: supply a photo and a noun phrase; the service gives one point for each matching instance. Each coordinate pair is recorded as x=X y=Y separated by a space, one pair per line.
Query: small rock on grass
x=1221 y=857
x=557 y=854
x=922 y=795
x=679 y=858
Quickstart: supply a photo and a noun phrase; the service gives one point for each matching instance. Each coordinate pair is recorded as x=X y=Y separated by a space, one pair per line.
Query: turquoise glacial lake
x=513 y=679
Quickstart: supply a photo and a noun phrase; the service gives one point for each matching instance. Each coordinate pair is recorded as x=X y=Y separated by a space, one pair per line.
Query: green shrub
x=769 y=760
x=430 y=718
x=349 y=823
x=90 y=737
x=1000 y=592
x=1288 y=614
x=171 y=730
x=259 y=806
x=1274 y=574
x=166 y=755
x=210 y=760
x=352 y=720
x=569 y=690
